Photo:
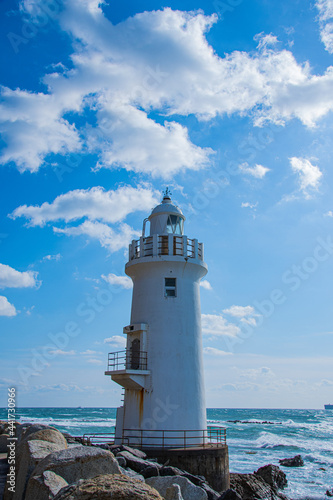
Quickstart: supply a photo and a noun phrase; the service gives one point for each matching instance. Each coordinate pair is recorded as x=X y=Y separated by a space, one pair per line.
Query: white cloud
x=206 y=285
x=57 y=387
x=216 y=325
x=52 y=257
x=95 y=203
x=125 y=74
x=33 y=127
x=325 y=8
x=258 y=171
x=60 y=352
x=107 y=237
x=6 y=308
x=10 y=278
x=94 y=361
x=265 y=41
x=211 y=351
x=246 y=314
x=116 y=341
x=247 y=204
x=89 y=352
x=329 y=214
x=309 y=175
x=122 y=281
x=240 y=311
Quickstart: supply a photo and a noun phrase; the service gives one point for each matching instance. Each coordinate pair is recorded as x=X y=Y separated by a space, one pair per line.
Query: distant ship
x=328 y=407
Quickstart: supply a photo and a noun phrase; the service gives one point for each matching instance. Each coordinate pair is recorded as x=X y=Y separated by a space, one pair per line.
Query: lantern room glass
x=175 y=225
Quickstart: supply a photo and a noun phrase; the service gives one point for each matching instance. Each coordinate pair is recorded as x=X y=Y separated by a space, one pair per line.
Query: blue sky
x=229 y=103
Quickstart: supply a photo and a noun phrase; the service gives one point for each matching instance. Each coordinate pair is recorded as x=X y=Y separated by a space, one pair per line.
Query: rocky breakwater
x=51 y=465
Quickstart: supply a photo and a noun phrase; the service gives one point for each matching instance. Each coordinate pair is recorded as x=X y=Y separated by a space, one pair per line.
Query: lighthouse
x=161 y=369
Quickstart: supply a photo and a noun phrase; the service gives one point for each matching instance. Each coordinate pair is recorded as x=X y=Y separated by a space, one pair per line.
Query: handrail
x=213 y=436
x=128 y=360
x=165 y=244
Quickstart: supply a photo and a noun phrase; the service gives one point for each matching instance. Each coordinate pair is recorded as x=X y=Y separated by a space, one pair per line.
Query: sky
x=105 y=104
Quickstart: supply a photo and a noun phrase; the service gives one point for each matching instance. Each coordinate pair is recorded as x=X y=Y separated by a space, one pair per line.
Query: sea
x=255 y=437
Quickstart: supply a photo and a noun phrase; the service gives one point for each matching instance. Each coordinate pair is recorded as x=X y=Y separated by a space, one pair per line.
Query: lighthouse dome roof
x=167 y=206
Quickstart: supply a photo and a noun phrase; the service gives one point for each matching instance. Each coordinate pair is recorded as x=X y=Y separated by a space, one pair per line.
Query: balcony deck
x=169 y=244
x=128 y=368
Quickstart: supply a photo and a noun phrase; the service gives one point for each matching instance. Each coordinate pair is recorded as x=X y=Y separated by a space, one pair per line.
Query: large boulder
x=253 y=487
x=296 y=461
x=174 y=493
x=189 y=490
x=81 y=462
x=27 y=429
x=105 y=487
x=29 y=455
x=135 y=463
x=230 y=495
x=48 y=434
x=150 y=471
x=273 y=475
x=45 y=486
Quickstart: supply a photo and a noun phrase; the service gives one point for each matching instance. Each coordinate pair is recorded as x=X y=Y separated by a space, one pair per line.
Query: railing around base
x=161 y=439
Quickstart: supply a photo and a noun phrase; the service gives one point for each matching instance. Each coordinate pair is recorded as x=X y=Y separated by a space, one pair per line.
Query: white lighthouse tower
x=161 y=369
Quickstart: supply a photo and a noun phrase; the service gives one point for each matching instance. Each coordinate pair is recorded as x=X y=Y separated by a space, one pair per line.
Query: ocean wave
x=270 y=440
x=73 y=422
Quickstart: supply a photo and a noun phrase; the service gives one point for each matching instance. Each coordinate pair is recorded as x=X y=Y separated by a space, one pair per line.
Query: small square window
x=170 y=287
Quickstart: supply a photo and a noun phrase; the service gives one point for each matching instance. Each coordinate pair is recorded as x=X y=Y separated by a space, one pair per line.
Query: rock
x=81 y=462
x=296 y=461
x=189 y=490
x=4 y=426
x=168 y=470
x=135 y=452
x=251 y=486
x=28 y=429
x=50 y=435
x=273 y=475
x=132 y=474
x=30 y=453
x=135 y=463
x=73 y=439
x=3 y=443
x=329 y=493
x=197 y=480
x=211 y=494
x=121 y=461
x=105 y=487
x=230 y=495
x=150 y=471
x=173 y=493
x=44 y=487
x=117 y=448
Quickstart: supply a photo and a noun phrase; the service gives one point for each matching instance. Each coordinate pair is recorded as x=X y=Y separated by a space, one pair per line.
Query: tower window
x=170 y=287
x=175 y=225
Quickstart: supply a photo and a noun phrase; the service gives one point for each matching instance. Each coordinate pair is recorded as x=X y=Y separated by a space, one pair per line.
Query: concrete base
x=211 y=462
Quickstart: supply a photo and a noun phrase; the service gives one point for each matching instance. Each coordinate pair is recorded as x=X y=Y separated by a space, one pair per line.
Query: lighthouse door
x=135 y=354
